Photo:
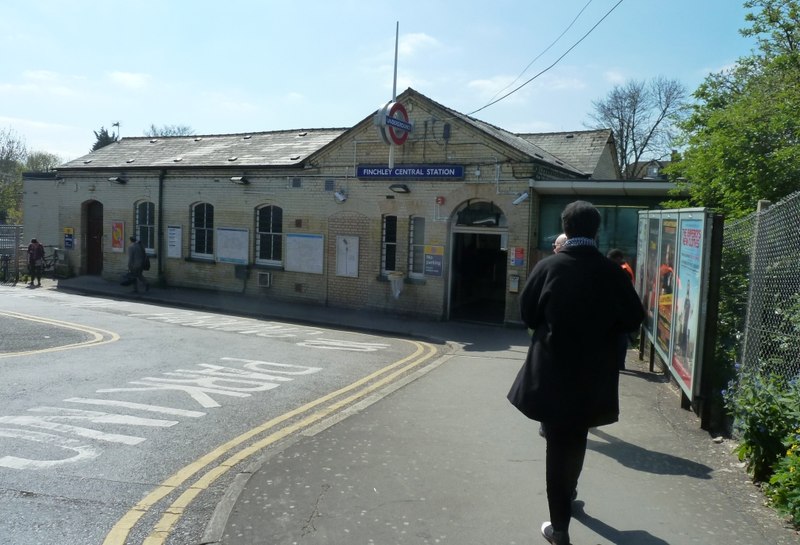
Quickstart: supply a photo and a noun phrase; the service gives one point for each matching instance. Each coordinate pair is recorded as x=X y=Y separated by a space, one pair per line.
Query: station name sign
x=408 y=172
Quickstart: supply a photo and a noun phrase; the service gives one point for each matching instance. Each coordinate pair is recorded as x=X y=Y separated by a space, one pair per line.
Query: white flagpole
x=394 y=86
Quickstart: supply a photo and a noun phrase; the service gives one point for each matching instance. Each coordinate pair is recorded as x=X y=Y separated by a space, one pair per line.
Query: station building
x=442 y=221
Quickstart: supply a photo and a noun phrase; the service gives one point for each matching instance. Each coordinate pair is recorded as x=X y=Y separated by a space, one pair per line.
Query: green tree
x=643 y=118
x=42 y=161
x=104 y=138
x=742 y=139
x=169 y=130
x=12 y=153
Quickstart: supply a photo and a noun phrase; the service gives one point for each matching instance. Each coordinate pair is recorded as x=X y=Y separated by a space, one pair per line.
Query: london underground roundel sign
x=393 y=124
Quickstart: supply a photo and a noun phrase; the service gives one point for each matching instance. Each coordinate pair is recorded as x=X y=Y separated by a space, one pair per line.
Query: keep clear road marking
x=174 y=512
x=99 y=336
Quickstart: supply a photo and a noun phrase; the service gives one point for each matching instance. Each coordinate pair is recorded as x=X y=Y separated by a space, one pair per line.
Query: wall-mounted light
x=400 y=188
x=118 y=179
x=478 y=171
x=521 y=198
x=241 y=180
x=340 y=195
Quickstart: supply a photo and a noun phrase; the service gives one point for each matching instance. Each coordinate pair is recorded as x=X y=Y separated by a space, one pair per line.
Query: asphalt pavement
x=444 y=458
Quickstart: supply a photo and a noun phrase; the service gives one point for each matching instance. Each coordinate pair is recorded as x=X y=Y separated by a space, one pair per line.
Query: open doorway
x=479 y=278
x=479 y=264
x=93 y=213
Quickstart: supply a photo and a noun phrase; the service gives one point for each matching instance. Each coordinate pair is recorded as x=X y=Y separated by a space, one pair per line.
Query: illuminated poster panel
x=685 y=348
x=674 y=288
x=666 y=284
x=650 y=278
x=641 y=255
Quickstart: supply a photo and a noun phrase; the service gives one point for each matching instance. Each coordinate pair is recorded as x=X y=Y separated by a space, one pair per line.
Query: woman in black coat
x=577 y=303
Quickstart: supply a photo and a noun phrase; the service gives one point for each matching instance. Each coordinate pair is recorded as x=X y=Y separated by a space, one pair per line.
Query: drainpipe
x=160 y=224
x=529 y=265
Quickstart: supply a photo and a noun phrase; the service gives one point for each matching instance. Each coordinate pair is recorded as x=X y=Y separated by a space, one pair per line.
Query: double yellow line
x=97 y=336
x=172 y=514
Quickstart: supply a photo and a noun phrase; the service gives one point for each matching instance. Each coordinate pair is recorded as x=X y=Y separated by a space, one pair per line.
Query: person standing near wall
x=618 y=257
x=35 y=261
x=577 y=303
x=136 y=258
x=558 y=243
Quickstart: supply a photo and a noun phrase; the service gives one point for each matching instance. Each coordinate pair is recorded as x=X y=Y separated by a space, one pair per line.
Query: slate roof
x=574 y=153
x=519 y=142
x=582 y=149
x=257 y=149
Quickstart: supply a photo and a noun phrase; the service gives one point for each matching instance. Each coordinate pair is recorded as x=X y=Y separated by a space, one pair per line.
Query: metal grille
x=766 y=247
x=13 y=257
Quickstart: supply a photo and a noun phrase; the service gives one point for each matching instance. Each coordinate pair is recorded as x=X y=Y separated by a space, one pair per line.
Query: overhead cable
x=552 y=65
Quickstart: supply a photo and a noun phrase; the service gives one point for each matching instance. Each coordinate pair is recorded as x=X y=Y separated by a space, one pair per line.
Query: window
x=416 y=247
x=389 y=244
x=269 y=235
x=145 y=225
x=203 y=230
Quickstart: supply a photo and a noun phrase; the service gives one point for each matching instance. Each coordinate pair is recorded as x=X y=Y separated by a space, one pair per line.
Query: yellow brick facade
x=494 y=173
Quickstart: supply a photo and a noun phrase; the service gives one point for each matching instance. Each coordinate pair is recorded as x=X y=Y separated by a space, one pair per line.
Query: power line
x=552 y=65
x=545 y=51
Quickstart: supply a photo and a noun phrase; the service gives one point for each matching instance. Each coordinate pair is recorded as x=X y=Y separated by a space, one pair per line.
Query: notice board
x=232 y=245
x=304 y=253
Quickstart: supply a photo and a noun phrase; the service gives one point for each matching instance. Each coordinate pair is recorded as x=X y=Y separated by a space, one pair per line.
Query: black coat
x=577 y=303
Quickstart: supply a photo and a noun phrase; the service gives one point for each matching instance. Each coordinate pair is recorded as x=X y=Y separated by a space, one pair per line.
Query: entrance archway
x=479 y=263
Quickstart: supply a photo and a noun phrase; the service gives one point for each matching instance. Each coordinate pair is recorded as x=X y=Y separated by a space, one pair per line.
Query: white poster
x=347 y=256
x=174 y=241
x=304 y=253
x=232 y=245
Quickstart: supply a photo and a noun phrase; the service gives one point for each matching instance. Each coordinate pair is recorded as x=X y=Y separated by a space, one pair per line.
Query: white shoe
x=553 y=537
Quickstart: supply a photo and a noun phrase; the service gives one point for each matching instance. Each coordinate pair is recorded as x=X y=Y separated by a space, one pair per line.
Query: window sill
x=406 y=280
x=206 y=260
x=263 y=267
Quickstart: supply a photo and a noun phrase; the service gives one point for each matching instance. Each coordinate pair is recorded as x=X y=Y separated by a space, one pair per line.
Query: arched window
x=269 y=235
x=145 y=225
x=202 y=231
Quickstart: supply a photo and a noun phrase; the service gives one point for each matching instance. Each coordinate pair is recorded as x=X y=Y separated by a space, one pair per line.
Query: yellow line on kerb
x=99 y=336
x=173 y=513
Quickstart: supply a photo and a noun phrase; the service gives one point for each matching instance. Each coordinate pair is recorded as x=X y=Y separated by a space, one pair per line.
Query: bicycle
x=50 y=261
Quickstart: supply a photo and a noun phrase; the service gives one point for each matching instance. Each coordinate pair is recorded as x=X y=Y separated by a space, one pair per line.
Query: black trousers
x=566 y=449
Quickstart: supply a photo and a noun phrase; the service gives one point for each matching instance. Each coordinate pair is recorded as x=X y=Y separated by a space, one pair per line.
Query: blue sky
x=71 y=67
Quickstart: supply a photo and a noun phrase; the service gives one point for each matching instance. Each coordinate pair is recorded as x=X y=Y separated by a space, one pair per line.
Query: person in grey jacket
x=136 y=258
x=578 y=303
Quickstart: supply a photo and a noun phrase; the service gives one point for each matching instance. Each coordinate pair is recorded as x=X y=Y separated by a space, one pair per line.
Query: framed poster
x=304 y=253
x=232 y=245
x=688 y=280
x=174 y=241
x=666 y=284
x=347 y=256
x=117 y=236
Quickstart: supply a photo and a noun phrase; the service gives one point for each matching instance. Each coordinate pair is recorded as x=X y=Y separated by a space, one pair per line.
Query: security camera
x=521 y=198
x=340 y=196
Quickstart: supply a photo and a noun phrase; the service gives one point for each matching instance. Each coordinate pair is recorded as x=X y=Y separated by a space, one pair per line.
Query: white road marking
x=336 y=344
x=47 y=423
x=82 y=452
x=140 y=406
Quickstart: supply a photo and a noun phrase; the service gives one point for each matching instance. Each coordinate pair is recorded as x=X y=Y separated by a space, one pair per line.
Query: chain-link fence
x=761 y=253
x=13 y=257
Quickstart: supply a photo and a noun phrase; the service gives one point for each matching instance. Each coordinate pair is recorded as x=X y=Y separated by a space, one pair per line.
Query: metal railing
x=13 y=256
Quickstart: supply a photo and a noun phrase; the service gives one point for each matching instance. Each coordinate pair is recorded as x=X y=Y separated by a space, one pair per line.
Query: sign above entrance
x=406 y=172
